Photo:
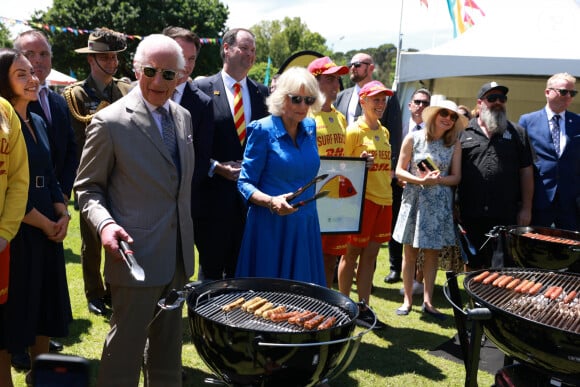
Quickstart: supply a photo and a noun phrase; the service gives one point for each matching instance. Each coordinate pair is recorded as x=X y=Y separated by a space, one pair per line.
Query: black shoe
x=366 y=318
x=394 y=276
x=54 y=346
x=437 y=315
x=21 y=361
x=97 y=306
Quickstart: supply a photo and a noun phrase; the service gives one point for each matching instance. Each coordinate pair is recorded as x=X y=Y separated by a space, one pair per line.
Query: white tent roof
x=541 y=41
x=56 y=78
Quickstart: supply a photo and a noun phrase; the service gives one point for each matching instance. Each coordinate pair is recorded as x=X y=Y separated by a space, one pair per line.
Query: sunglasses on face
x=297 y=99
x=445 y=113
x=496 y=97
x=564 y=92
x=419 y=102
x=357 y=64
x=168 y=75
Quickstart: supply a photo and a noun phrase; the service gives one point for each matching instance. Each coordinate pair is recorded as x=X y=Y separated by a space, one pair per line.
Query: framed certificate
x=340 y=211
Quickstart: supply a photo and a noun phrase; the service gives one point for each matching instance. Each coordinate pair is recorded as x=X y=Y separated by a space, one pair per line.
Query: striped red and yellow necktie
x=239 y=118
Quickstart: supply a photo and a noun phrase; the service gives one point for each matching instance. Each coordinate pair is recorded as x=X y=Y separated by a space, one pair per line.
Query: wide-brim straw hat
x=430 y=112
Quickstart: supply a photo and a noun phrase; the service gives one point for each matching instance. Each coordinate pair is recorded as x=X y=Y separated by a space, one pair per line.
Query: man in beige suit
x=134 y=184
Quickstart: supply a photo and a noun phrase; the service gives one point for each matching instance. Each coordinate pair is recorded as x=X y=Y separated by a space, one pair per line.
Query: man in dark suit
x=219 y=226
x=199 y=106
x=85 y=98
x=134 y=184
x=347 y=102
x=63 y=147
x=554 y=135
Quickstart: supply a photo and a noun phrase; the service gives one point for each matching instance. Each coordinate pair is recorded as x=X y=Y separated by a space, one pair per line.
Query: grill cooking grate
x=210 y=306
x=538 y=308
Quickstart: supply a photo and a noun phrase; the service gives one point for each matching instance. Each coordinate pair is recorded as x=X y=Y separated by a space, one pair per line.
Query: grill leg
x=459 y=316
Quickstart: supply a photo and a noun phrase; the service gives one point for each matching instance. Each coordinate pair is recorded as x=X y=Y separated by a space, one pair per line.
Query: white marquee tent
x=520 y=51
x=56 y=78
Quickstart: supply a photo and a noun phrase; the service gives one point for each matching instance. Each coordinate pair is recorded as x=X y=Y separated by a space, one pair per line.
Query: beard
x=495 y=120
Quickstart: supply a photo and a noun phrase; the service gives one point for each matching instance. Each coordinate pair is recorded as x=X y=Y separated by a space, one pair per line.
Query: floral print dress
x=426 y=218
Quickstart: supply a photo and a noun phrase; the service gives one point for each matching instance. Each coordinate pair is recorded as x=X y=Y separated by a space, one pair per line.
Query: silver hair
x=157 y=40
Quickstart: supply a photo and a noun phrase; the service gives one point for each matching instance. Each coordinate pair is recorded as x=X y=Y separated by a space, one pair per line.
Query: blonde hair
x=450 y=135
x=565 y=76
x=290 y=82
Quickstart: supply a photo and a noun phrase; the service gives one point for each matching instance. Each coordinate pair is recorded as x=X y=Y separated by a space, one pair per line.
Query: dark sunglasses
x=419 y=102
x=168 y=75
x=564 y=92
x=297 y=99
x=357 y=64
x=445 y=113
x=496 y=97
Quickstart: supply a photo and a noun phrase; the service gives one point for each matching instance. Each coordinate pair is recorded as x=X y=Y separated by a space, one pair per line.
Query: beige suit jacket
x=126 y=173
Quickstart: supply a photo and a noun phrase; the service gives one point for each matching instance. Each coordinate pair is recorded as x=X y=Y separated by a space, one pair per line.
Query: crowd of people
x=168 y=164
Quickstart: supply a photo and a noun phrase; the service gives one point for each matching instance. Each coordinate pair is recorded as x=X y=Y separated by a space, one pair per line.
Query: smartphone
x=54 y=370
x=427 y=165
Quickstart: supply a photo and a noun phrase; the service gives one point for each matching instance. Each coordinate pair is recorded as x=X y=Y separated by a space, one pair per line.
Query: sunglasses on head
x=297 y=99
x=564 y=92
x=446 y=113
x=168 y=75
x=419 y=102
x=496 y=97
x=357 y=64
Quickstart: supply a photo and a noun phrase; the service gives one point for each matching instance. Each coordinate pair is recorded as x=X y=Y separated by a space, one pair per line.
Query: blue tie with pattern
x=169 y=137
x=556 y=132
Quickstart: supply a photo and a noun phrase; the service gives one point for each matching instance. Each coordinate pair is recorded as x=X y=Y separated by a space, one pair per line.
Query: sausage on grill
x=535 y=289
x=278 y=317
x=512 y=285
x=269 y=312
x=556 y=292
x=490 y=278
x=233 y=305
x=256 y=305
x=569 y=297
x=314 y=322
x=503 y=283
x=294 y=319
x=528 y=286
x=481 y=277
x=328 y=323
x=498 y=280
x=263 y=308
x=521 y=286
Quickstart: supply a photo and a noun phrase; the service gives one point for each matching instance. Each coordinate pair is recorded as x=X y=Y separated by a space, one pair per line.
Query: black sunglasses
x=445 y=113
x=421 y=102
x=357 y=64
x=297 y=99
x=496 y=97
x=168 y=75
x=564 y=92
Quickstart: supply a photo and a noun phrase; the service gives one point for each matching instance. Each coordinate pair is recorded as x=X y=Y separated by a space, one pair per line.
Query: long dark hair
x=7 y=58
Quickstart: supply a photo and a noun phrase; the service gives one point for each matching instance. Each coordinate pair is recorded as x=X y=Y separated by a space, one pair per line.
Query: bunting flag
x=8 y=22
x=425 y=3
x=460 y=16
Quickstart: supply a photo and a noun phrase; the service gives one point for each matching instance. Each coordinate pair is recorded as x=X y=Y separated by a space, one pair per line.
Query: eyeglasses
x=564 y=92
x=496 y=97
x=297 y=99
x=419 y=102
x=357 y=64
x=445 y=113
x=168 y=75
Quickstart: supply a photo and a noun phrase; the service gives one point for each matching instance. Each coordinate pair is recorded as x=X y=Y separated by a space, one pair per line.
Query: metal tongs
x=317 y=179
x=319 y=195
x=136 y=271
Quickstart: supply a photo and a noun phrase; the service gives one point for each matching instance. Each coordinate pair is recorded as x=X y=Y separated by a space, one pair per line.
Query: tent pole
x=399 y=48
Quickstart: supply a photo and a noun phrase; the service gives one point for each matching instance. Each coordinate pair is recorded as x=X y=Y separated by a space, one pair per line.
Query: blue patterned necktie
x=556 y=132
x=169 y=138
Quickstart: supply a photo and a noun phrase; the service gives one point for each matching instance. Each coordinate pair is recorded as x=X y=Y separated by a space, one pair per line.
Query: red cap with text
x=372 y=88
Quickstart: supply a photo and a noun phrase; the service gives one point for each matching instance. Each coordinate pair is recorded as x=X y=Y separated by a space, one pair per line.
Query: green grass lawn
x=397 y=356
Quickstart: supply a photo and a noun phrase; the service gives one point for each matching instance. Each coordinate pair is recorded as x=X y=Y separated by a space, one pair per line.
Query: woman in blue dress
x=425 y=219
x=38 y=306
x=281 y=155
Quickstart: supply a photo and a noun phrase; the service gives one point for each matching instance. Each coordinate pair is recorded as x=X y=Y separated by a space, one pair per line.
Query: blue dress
x=38 y=301
x=276 y=246
x=426 y=216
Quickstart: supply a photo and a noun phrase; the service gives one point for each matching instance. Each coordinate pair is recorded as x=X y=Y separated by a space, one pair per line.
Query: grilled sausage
x=269 y=312
x=523 y=284
x=512 y=285
x=490 y=278
x=481 y=277
x=548 y=292
x=256 y=305
x=569 y=297
x=294 y=319
x=263 y=308
x=314 y=322
x=277 y=317
x=556 y=293
x=233 y=305
x=503 y=283
x=246 y=304
x=498 y=280
x=301 y=320
x=328 y=323
x=528 y=286
x=535 y=289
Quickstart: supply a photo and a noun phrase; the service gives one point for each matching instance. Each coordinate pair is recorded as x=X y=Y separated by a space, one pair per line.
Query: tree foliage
x=139 y=18
x=5 y=40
